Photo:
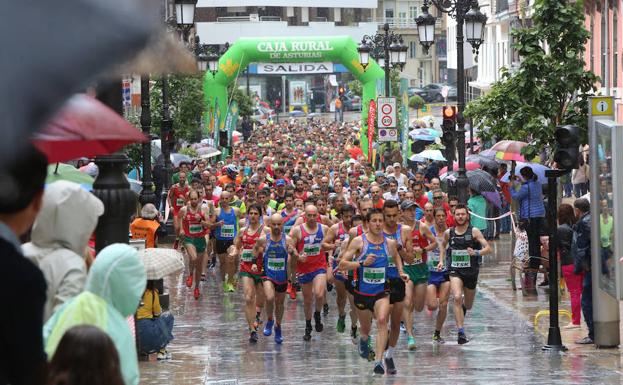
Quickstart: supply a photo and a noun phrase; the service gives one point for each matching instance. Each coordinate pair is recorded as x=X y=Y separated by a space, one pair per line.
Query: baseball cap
x=397 y=164
x=408 y=204
x=280 y=182
x=379 y=173
x=402 y=189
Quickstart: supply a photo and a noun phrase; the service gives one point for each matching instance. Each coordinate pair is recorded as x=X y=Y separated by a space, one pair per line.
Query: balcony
x=402 y=23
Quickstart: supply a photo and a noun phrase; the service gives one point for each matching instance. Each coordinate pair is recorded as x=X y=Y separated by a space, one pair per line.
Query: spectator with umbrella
x=529 y=195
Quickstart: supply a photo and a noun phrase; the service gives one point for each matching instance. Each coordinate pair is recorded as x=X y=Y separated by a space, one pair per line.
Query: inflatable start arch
x=337 y=49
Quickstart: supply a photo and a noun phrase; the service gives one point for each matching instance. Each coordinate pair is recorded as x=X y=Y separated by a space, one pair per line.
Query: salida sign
x=295 y=68
x=281 y=49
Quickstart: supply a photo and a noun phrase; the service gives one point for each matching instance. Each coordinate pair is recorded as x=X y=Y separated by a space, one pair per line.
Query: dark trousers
x=587 y=303
x=568 y=189
x=534 y=240
x=580 y=189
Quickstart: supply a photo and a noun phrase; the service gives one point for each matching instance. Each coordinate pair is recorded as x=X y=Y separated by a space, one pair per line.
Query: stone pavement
x=211 y=345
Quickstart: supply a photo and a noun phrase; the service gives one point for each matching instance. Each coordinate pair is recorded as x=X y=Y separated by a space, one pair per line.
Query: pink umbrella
x=85 y=127
x=506 y=150
x=455 y=166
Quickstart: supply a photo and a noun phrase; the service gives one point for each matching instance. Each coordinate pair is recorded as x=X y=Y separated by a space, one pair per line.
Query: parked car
x=432 y=92
x=416 y=91
x=351 y=102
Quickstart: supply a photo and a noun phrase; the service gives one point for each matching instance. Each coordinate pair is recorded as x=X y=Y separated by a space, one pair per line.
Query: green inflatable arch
x=337 y=49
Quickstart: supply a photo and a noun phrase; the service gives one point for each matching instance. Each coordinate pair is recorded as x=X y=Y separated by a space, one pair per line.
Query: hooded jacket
x=114 y=287
x=59 y=237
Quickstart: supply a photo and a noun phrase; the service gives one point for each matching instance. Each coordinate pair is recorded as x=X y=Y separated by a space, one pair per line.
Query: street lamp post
x=166 y=138
x=466 y=13
x=185 y=16
x=147 y=194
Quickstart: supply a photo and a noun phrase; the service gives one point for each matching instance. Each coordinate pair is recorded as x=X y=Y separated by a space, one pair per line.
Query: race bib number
x=390 y=261
x=374 y=275
x=247 y=255
x=311 y=250
x=276 y=264
x=417 y=259
x=195 y=229
x=460 y=259
x=433 y=260
x=180 y=202
x=227 y=231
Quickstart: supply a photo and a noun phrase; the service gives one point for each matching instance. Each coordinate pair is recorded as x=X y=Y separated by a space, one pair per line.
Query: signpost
x=387 y=113
x=388 y=134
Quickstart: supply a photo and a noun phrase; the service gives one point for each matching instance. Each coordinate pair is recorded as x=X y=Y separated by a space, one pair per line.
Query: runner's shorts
x=199 y=243
x=417 y=273
x=396 y=290
x=438 y=277
x=257 y=279
x=366 y=302
x=221 y=245
x=468 y=276
x=279 y=287
x=308 y=277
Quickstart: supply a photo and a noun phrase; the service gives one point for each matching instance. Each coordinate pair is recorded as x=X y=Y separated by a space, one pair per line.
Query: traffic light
x=448 y=126
x=449 y=118
x=341 y=91
x=222 y=138
x=567 y=153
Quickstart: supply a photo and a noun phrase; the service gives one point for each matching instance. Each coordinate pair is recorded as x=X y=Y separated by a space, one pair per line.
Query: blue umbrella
x=538 y=169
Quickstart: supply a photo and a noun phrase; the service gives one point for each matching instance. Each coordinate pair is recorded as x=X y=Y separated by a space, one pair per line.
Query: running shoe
x=353 y=335
x=403 y=328
x=196 y=293
x=291 y=291
x=391 y=368
x=364 y=349
x=203 y=277
x=438 y=340
x=325 y=309
x=278 y=337
x=462 y=340
x=163 y=354
x=329 y=287
x=212 y=264
x=318 y=322
x=307 y=335
x=410 y=343
x=253 y=337
x=341 y=324
x=231 y=288
x=379 y=369
x=225 y=287
x=268 y=329
x=189 y=281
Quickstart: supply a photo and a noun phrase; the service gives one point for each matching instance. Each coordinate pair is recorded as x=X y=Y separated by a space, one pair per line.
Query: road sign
x=388 y=135
x=444 y=91
x=386 y=112
x=602 y=106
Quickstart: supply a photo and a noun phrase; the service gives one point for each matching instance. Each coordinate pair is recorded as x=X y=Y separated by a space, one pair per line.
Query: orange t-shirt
x=145 y=229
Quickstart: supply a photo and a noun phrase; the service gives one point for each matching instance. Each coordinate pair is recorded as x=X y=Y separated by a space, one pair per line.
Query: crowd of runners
x=297 y=207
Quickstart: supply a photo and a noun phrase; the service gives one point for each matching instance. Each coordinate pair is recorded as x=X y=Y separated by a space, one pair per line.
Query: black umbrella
x=481 y=181
x=51 y=51
x=483 y=161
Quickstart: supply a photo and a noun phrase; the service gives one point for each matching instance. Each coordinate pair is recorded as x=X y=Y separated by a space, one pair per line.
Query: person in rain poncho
x=113 y=290
x=58 y=240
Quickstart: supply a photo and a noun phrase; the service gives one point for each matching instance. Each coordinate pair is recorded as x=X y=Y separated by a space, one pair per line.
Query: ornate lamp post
x=388 y=49
x=147 y=194
x=185 y=16
x=466 y=13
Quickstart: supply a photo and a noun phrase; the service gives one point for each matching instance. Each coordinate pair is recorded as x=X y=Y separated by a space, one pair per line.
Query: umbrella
x=468 y=166
x=62 y=171
x=424 y=134
x=506 y=150
x=177 y=158
x=49 y=67
x=480 y=181
x=208 y=152
x=493 y=197
x=85 y=127
x=427 y=154
x=160 y=262
x=483 y=161
x=135 y=185
x=538 y=169
x=236 y=137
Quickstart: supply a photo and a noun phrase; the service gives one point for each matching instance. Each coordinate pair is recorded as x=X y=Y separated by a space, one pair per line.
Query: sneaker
x=212 y=264
x=225 y=287
x=438 y=340
x=307 y=335
x=391 y=368
x=353 y=335
x=411 y=343
x=571 y=326
x=325 y=309
x=329 y=287
x=253 y=337
x=231 y=288
x=163 y=354
x=462 y=340
x=364 y=349
x=403 y=328
x=203 y=277
x=318 y=322
x=341 y=324
x=291 y=291
x=196 y=293
x=268 y=329
x=189 y=281
x=585 y=341
x=379 y=369
x=544 y=283
x=278 y=337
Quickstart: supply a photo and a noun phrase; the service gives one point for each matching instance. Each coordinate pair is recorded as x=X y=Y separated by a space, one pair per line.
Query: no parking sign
x=388 y=135
x=386 y=113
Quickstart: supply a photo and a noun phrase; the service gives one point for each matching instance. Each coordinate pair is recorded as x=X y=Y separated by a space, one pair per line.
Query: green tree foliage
x=416 y=102
x=245 y=104
x=549 y=88
x=355 y=87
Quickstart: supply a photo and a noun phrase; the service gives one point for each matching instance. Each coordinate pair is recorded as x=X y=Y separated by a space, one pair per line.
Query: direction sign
x=601 y=106
x=388 y=135
x=386 y=113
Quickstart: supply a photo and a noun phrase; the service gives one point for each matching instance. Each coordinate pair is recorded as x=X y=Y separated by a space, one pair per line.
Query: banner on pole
x=404 y=112
x=371 y=125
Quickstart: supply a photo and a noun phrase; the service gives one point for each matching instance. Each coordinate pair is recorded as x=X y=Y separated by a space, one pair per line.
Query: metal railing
x=395 y=22
x=246 y=18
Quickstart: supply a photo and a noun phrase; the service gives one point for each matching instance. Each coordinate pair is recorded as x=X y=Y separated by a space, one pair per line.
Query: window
x=389 y=13
x=402 y=18
x=412 y=13
x=412 y=49
x=615 y=46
